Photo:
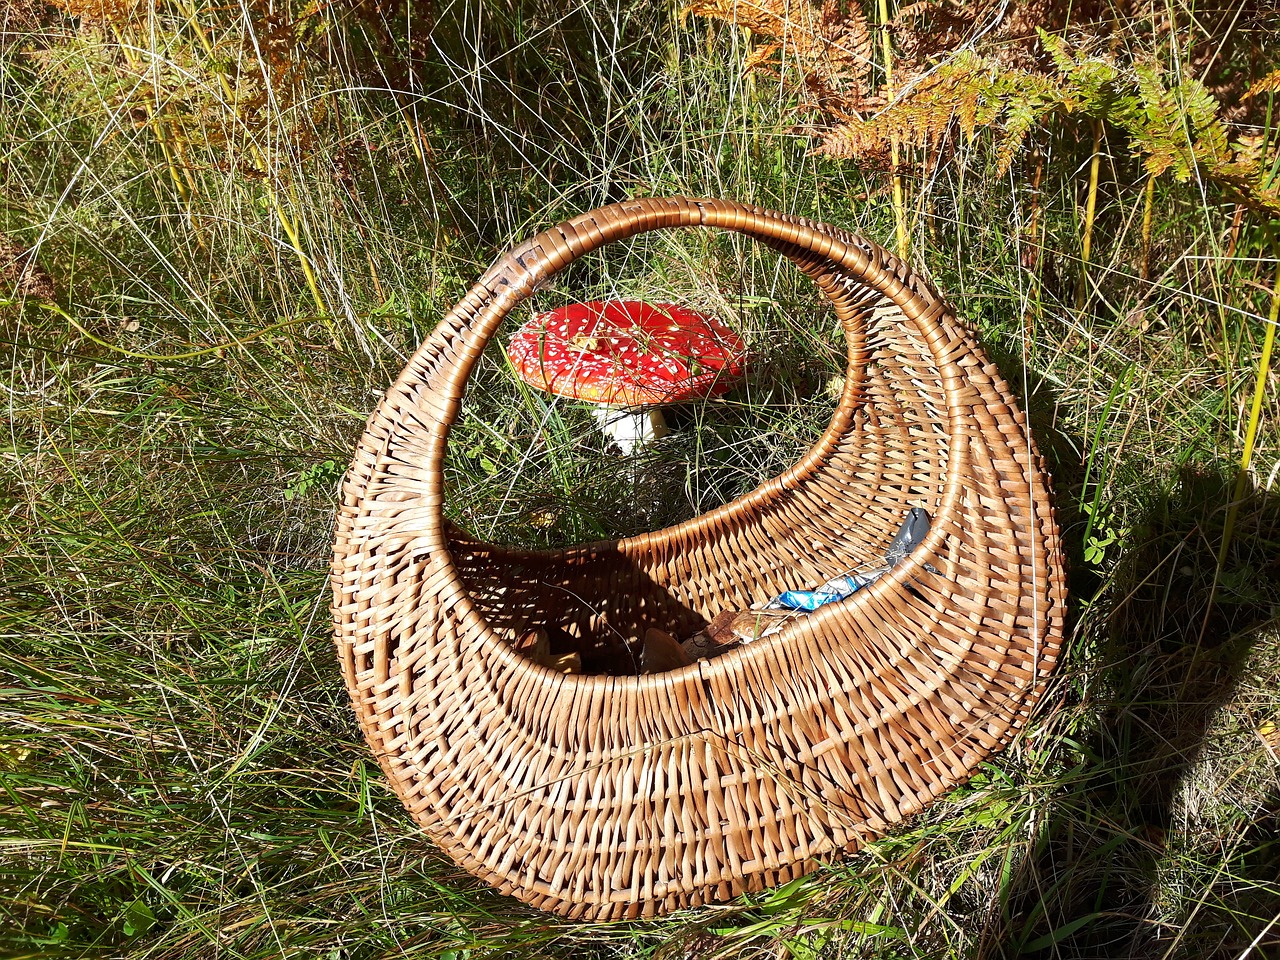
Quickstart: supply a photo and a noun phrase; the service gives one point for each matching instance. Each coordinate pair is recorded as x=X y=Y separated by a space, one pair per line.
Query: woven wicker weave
x=601 y=797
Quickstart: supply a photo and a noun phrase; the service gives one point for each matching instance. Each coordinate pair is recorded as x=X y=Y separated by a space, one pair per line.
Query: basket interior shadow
x=605 y=797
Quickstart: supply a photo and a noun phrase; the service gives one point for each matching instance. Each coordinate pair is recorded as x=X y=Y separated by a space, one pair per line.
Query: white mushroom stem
x=630 y=427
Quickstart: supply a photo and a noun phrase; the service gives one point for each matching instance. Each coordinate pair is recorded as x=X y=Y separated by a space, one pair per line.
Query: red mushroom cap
x=627 y=353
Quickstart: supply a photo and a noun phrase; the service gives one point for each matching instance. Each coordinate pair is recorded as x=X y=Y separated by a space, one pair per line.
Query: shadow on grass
x=1171 y=651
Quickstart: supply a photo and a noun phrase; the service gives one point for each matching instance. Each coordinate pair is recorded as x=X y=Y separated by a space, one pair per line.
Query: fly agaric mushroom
x=627 y=358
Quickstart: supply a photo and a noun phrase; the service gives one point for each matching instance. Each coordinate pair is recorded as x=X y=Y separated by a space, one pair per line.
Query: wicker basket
x=602 y=797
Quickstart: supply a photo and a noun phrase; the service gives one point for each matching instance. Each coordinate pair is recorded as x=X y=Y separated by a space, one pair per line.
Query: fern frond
x=1012 y=83
x=1022 y=117
x=1173 y=127
x=828 y=45
x=855 y=140
x=921 y=118
x=1268 y=84
x=969 y=93
x=114 y=12
x=1248 y=188
x=1204 y=113
x=1058 y=49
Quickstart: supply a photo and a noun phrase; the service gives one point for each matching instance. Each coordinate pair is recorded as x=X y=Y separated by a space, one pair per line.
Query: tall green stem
x=1255 y=414
x=1091 y=207
x=1148 y=203
x=273 y=197
x=899 y=199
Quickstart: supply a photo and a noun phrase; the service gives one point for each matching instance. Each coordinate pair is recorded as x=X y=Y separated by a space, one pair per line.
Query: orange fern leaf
x=828 y=45
x=1268 y=84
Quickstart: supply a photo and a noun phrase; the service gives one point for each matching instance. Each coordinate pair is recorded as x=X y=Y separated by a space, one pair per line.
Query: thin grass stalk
x=1034 y=243
x=218 y=349
x=923 y=212
x=273 y=197
x=1233 y=235
x=1148 y=205
x=1032 y=259
x=1090 y=209
x=749 y=101
x=155 y=115
x=899 y=200
x=358 y=221
x=926 y=208
x=1255 y=412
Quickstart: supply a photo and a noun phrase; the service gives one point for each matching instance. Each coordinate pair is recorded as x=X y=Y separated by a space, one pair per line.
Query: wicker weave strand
x=603 y=797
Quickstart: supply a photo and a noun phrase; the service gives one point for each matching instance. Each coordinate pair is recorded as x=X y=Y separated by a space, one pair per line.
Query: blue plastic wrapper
x=831 y=591
x=909 y=536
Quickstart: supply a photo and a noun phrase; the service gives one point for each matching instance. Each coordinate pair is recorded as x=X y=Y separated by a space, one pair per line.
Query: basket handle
x=851 y=272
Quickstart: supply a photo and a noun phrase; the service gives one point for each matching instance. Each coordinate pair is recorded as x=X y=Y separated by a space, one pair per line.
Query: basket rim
x=832 y=243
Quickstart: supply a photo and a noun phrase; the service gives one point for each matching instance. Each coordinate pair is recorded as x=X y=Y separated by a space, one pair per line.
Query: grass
x=181 y=773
